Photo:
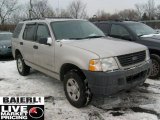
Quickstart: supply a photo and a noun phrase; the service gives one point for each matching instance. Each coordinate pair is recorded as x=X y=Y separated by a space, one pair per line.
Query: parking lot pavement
x=141 y=103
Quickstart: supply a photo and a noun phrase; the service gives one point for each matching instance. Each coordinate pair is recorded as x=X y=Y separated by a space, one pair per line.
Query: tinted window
x=121 y=32
x=17 y=30
x=117 y=30
x=76 y=29
x=29 y=32
x=42 y=32
x=104 y=27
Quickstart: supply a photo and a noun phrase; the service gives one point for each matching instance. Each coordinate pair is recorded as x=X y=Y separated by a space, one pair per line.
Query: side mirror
x=46 y=41
x=49 y=41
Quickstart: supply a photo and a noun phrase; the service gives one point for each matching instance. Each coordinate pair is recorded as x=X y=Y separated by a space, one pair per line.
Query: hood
x=107 y=47
x=152 y=37
x=5 y=42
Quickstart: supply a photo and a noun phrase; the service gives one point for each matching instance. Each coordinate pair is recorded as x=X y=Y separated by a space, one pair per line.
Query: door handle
x=21 y=43
x=35 y=47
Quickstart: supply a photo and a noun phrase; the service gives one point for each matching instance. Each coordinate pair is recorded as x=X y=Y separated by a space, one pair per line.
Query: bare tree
x=77 y=9
x=7 y=8
x=102 y=15
x=114 y=16
x=31 y=9
x=63 y=13
x=40 y=9
x=158 y=12
x=140 y=10
x=150 y=9
x=128 y=14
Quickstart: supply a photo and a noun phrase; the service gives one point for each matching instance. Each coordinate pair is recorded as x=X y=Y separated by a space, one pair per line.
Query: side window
x=119 y=31
x=104 y=27
x=29 y=32
x=17 y=30
x=42 y=32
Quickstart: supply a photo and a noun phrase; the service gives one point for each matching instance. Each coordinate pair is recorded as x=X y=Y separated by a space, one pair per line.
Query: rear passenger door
x=44 y=54
x=28 y=41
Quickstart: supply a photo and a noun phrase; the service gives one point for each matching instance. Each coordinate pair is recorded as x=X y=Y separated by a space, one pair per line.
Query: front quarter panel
x=73 y=55
x=150 y=43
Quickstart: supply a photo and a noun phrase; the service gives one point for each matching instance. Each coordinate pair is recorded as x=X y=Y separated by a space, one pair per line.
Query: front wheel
x=23 y=69
x=155 y=71
x=76 y=90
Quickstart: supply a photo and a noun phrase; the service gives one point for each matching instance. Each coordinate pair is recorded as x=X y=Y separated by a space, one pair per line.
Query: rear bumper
x=102 y=83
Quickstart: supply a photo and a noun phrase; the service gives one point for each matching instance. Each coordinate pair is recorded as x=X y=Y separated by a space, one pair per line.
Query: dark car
x=5 y=44
x=136 y=32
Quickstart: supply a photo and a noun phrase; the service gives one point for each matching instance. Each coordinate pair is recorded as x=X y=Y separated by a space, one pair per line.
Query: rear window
x=17 y=30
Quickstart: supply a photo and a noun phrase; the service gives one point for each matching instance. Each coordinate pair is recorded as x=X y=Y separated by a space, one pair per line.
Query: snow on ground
x=141 y=103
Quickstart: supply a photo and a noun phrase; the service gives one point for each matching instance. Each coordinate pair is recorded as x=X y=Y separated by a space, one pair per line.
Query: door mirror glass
x=49 y=41
x=43 y=41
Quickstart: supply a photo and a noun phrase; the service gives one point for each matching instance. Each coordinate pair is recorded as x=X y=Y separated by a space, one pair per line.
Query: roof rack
x=116 y=20
x=48 y=18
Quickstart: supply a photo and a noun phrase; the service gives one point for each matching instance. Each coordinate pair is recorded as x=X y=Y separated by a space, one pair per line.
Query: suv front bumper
x=102 y=83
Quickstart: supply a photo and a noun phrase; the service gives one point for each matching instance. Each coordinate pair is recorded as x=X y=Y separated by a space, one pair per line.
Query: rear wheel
x=23 y=69
x=76 y=90
x=155 y=71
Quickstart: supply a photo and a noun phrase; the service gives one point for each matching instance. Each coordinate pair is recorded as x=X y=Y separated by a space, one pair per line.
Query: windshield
x=5 y=36
x=75 y=29
x=141 y=29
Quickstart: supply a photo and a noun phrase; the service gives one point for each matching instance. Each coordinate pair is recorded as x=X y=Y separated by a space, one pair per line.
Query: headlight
x=3 y=46
x=147 y=55
x=105 y=65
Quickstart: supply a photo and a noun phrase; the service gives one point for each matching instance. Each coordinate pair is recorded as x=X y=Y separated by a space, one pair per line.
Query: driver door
x=44 y=54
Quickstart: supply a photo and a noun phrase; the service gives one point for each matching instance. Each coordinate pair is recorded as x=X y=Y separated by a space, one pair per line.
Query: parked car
x=5 y=43
x=78 y=53
x=139 y=33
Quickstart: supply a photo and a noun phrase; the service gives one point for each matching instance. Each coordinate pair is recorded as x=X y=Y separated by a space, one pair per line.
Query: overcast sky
x=94 y=5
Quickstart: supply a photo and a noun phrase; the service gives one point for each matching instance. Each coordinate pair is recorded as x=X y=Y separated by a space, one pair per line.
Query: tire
x=23 y=69
x=155 y=71
x=76 y=90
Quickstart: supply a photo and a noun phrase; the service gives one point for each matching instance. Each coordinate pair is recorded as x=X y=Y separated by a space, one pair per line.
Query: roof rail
x=48 y=18
x=58 y=18
x=32 y=19
x=110 y=20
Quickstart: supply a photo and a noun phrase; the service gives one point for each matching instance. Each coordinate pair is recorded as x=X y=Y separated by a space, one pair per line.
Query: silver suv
x=78 y=53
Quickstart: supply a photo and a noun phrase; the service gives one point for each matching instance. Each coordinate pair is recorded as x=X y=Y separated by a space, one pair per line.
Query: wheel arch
x=70 y=67
x=17 y=52
x=154 y=51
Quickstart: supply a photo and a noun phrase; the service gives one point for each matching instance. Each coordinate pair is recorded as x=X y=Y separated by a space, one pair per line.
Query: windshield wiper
x=85 y=37
x=75 y=38
x=141 y=35
x=93 y=37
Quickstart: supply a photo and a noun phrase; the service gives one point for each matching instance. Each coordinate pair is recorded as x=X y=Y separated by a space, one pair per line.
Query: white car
x=78 y=53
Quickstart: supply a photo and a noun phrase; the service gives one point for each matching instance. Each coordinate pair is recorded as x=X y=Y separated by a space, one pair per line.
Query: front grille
x=131 y=59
